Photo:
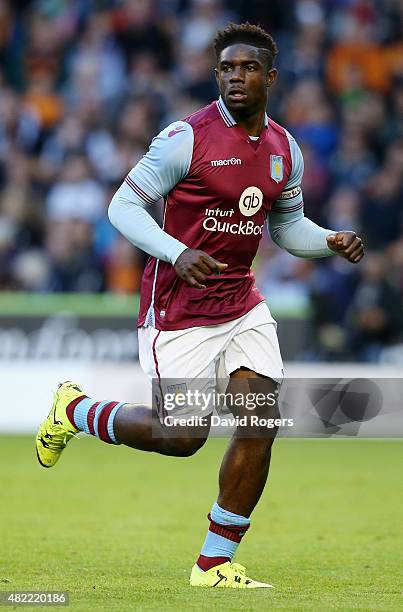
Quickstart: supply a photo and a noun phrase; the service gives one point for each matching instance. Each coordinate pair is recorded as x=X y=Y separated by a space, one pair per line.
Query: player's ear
x=216 y=74
x=271 y=76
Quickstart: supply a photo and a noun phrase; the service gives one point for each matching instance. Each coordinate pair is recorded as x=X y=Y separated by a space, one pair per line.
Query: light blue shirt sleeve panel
x=127 y=213
x=165 y=164
x=297 y=171
x=291 y=197
x=299 y=236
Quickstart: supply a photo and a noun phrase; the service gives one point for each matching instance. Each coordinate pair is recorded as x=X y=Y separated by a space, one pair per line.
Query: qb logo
x=250 y=201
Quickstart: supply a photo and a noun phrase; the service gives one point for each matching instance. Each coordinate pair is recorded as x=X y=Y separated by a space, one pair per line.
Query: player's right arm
x=166 y=163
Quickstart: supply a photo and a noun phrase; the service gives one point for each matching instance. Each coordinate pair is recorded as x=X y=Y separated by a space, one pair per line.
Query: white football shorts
x=203 y=358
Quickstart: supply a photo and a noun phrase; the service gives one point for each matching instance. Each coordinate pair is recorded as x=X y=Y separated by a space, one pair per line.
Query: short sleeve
x=165 y=164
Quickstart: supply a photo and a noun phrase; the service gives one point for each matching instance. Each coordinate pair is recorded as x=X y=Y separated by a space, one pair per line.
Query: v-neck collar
x=230 y=122
x=228 y=118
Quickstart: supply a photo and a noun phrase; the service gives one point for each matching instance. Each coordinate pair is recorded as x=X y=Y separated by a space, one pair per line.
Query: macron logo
x=175 y=131
x=234 y=161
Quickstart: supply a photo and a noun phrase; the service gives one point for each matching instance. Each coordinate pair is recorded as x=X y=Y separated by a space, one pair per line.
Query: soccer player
x=224 y=173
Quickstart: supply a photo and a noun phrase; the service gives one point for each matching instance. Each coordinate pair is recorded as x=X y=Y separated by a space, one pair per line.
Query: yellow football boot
x=56 y=430
x=227 y=575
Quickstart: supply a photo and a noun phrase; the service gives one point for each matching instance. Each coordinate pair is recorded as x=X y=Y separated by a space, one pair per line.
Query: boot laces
x=239 y=569
x=58 y=440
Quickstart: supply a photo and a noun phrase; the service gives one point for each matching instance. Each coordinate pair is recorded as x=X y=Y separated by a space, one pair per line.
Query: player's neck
x=253 y=123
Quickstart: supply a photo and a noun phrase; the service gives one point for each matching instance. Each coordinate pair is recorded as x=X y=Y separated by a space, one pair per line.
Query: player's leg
x=245 y=467
x=242 y=478
x=246 y=463
x=139 y=427
x=162 y=355
x=112 y=422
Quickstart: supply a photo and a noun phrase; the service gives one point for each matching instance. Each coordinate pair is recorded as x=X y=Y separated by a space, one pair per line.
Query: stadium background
x=84 y=86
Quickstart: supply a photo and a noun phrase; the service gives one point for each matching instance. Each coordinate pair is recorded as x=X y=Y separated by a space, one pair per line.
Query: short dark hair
x=248 y=34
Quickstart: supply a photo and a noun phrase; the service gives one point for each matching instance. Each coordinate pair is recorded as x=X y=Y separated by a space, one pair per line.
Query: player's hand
x=193 y=266
x=347 y=245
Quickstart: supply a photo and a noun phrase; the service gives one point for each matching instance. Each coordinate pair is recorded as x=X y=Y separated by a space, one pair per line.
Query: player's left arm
x=292 y=231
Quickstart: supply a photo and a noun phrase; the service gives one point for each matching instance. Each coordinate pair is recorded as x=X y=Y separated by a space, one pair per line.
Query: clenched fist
x=193 y=266
x=347 y=245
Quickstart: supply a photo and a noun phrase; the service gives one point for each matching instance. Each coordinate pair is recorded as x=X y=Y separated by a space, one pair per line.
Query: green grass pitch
x=120 y=529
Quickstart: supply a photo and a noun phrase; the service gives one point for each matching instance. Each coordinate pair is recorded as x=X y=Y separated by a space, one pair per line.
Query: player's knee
x=186 y=447
x=190 y=446
x=262 y=424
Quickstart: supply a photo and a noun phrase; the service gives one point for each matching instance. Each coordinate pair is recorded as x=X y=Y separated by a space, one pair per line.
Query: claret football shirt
x=218 y=186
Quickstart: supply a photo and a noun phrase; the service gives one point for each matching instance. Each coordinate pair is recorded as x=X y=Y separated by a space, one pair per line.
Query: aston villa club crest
x=276 y=168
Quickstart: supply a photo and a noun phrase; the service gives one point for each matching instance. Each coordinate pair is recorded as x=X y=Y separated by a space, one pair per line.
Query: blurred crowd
x=85 y=85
